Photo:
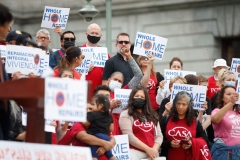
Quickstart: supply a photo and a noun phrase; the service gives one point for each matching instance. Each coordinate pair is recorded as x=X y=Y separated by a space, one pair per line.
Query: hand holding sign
x=115 y=103
x=150 y=59
x=234 y=98
x=58 y=30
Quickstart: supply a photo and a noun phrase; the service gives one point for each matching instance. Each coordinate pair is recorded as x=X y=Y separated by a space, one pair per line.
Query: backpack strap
x=60 y=53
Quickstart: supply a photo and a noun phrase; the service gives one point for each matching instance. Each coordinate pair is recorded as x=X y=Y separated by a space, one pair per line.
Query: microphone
x=35 y=44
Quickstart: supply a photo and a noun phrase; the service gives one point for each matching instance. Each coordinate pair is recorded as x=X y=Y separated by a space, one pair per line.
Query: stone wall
x=194 y=28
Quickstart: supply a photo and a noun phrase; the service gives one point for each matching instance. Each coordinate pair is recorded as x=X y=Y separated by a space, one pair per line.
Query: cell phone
x=184 y=141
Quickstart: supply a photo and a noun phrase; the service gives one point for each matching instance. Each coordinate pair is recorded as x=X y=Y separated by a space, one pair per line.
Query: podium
x=29 y=93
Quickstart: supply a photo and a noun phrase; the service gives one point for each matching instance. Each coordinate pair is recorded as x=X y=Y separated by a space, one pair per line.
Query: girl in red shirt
x=72 y=60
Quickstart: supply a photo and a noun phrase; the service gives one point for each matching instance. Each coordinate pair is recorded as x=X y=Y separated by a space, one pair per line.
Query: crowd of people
x=155 y=126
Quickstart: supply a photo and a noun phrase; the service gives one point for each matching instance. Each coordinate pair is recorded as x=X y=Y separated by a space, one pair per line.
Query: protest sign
x=149 y=44
x=121 y=149
x=65 y=99
x=31 y=151
x=235 y=66
x=198 y=93
x=43 y=65
x=123 y=96
x=53 y=17
x=48 y=127
x=3 y=51
x=23 y=59
x=99 y=55
x=238 y=91
x=84 y=67
x=169 y=74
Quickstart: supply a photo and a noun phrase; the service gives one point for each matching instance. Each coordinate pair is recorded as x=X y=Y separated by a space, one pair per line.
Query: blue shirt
x=55 y=58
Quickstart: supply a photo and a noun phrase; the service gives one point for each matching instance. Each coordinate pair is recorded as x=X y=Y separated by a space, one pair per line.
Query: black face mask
x=138 y=103
x=68 y=44
x=93 y=39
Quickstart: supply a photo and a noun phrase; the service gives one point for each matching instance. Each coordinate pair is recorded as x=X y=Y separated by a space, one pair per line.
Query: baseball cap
x=220 y=62
x=13 y=35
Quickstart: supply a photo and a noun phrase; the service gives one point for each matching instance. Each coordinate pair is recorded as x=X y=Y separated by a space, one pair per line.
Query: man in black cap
x=12 y=37
x=6 y=20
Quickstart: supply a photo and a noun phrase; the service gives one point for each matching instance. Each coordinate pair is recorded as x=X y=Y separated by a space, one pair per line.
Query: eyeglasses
x=69 y=39
x=44 y=38
x=144 y=58
x=125 y=42
x=82 y=56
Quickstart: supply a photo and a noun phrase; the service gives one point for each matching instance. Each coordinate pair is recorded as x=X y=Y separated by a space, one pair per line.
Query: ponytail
x=64 y=63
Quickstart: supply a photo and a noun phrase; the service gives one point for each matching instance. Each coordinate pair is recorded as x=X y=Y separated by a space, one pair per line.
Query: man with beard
x=67 y=39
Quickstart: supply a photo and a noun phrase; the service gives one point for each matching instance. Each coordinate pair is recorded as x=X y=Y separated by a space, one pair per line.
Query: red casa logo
x=179 y=132
x=146 y=127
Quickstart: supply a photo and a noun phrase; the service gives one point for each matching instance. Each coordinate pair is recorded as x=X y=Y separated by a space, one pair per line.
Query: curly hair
x=190 y=112
x=147 y=110
x=219 y=101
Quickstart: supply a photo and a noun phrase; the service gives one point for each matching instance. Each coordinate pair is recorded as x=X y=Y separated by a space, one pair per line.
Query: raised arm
x=136 y=72
x=146 y=76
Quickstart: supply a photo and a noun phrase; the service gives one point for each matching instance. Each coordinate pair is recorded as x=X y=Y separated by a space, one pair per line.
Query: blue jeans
x=103 y=136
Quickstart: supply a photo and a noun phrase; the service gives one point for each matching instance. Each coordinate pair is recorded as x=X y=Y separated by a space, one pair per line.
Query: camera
x=88 y=12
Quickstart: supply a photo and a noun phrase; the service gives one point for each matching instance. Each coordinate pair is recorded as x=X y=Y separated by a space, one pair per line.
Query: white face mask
x=230 y=83
x=114 y=85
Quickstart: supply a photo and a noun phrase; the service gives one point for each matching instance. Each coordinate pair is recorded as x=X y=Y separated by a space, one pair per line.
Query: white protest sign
x=18 y=150
x=23 y=59
x=65 y=99
x=121 y=149
x=43 y=65
x=123 y=96
x=235 y=66
x=48 y=127
x=238 y=91
x=198 y=93
x=53 y=17
x=84 y=67
x=3 y=51
x=149 y=44
x=99 y=55
x=169 y=74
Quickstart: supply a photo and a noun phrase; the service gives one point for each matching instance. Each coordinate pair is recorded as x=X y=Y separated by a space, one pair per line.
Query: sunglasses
x=69 y=39
x=125 y=42
x=144 y=58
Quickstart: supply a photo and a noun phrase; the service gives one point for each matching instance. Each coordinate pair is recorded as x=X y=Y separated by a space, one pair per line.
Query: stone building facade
x=198 y=31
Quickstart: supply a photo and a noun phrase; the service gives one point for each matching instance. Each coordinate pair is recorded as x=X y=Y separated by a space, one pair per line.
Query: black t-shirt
x=100 y=122
x=117 y=63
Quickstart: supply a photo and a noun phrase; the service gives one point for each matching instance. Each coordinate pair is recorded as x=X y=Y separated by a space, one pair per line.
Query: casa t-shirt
x=144 y=132
x=178 y=131
x=152 y=87
x=228 y=129
x=212 y=87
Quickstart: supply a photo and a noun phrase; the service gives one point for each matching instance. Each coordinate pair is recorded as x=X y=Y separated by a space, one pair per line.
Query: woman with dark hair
x=175 y=64
x=141 y=124
x=181 y=129
x=226 y=124
x=151 y=79
x=72 y=60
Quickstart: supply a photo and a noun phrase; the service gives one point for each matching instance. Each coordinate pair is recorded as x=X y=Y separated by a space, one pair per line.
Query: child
x=100 y=123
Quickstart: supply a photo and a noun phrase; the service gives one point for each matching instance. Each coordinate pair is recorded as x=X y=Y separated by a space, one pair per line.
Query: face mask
x=229 y=83
x=138 y=103
x=93 y=39
x=114 y=85
x=68 y=44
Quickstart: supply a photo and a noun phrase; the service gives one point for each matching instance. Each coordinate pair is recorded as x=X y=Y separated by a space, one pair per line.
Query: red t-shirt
x=212 y=87
x=75 y=73
x=78 y=127
x=152 y=85
x=1 y=43
x=144 y=132
x=177 y=131
x=66 y=140
x=95 y=75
